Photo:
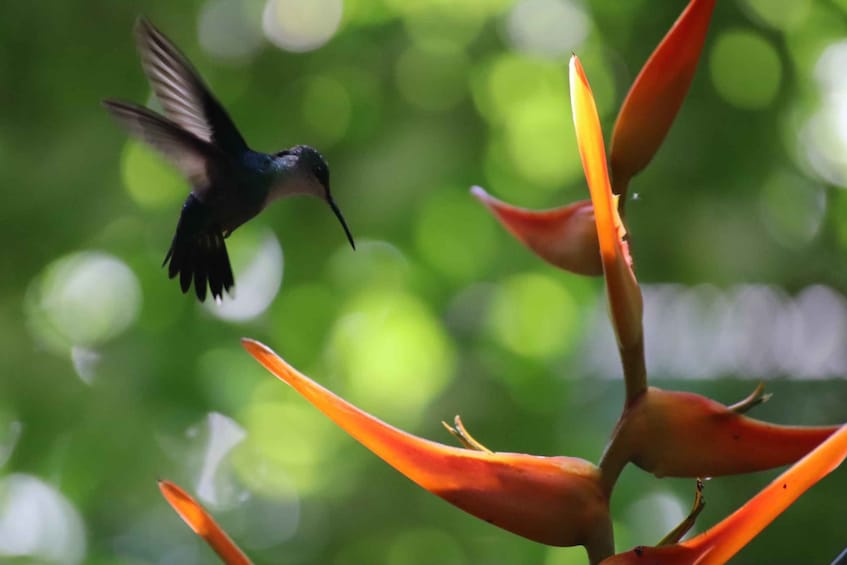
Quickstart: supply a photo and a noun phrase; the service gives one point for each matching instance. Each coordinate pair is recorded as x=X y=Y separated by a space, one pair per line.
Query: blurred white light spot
x=547 y=27
x=9 y=440
x=375 y=263
x=268 y=520
x=793 y=208
x=818 y=350
x=82 y=299
x=256 y=286
x=829 y=70
x=226 y=30
x=756 y=318
x=748 y=331
x=37 y=522
x=295 y=25
x=85 y=362
x=223 y=435
x=823 y=139
x=665 y=511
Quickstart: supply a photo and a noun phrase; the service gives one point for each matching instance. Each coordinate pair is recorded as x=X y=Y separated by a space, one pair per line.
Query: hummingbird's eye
x=321 y=172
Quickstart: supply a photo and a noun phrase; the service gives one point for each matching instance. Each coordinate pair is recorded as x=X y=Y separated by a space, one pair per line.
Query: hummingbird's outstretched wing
x=185 y=98
x=189 y=154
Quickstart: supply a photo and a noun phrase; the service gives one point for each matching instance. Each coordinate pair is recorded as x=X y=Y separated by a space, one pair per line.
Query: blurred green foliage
x=110 y=377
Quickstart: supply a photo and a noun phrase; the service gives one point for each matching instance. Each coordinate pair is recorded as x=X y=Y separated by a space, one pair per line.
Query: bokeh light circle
x=550 y=28
x=792 y=208
x=289 y=447
x=394 y=353
x=258 y=281
x=85 y=299
x=225 y=29
x=823 y=138
x=300 y=26
x=534 y=316
x=455 y=235
x=541 y=142
x=150 y=181
x=38 y=523
x=746 y=69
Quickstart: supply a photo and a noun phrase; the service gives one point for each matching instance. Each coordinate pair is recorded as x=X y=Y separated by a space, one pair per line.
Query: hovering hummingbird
x=230 y=183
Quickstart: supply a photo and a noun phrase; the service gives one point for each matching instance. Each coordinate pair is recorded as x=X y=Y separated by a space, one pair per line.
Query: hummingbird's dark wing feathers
x=184 y=97
x=198 y=253
x=189 y=154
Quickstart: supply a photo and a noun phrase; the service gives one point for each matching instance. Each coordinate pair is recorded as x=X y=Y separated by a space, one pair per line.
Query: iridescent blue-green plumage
x=230 y=182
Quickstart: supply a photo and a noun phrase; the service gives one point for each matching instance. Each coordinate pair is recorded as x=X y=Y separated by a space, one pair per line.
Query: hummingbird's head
x=312 y=165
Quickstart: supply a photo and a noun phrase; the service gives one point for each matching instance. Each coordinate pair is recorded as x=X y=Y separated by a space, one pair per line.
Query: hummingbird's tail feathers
x=190 y=154
x=204 y=261
x=198 y=254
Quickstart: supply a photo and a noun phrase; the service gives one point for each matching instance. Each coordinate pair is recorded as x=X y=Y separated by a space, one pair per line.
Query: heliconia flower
x=564 y=237
x=560 y=236
x=202 y=523
x=657 y=94
x=553 y=500
x=625 y=302
x=681 y=434
x=718 y=544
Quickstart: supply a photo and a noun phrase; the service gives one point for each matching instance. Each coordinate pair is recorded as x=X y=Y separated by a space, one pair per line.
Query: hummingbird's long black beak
x=340 y=217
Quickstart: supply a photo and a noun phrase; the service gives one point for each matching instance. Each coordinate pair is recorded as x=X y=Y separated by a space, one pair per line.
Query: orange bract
x=552 y=500
x=720 y=543
x=680 y=434
x=625 y=300
x=564 y=237
x=657 y=94
x=202 y=523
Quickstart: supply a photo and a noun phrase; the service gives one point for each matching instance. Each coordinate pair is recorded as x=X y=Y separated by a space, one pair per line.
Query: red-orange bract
x=718 y=544
x=564 y=237
x=657 y=94
x=622 y=289
x=553 y=500
x=202 y=524
x=680 y=434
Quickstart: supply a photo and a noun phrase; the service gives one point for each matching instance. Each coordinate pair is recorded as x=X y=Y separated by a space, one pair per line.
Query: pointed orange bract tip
x=625 y=300
x=593 y=154
x=658 y=92
x=564 y=237
x=723 y=541
x=720 y=543
x=552 y=500
x=680 y=434
x=202 y=524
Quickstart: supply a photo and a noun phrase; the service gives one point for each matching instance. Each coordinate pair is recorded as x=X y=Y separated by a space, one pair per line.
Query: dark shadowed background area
x=110 y=378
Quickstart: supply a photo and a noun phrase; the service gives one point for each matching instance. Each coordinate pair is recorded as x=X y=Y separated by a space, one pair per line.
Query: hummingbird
x=230 y=183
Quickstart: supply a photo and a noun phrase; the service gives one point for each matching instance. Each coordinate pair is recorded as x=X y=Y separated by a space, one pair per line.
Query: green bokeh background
x=439 y=312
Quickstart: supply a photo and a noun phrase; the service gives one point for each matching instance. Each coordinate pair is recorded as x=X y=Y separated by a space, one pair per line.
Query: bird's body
x=231 y=183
